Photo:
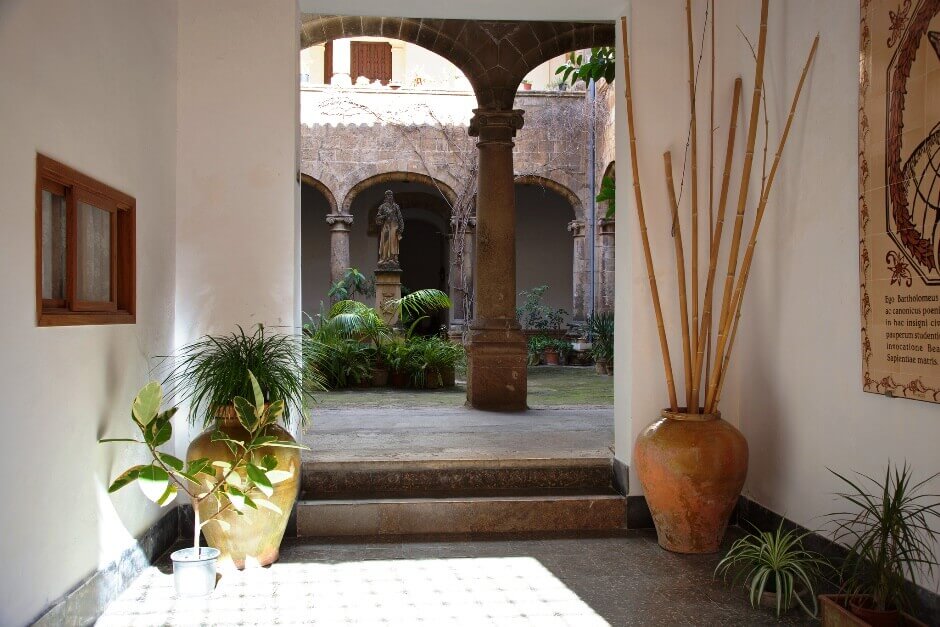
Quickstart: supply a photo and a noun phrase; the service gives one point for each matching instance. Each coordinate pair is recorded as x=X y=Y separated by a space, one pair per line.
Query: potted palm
x=775 y=568
x=208 y=374
x=890 y=531
x=601 y=328
x=241 y=482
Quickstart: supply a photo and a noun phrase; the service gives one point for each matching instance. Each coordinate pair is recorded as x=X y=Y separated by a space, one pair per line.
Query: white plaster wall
x=237 y=194
x=795 y=382
x=92 y=84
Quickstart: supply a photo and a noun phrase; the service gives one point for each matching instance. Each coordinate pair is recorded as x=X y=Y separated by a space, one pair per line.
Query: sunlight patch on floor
x=464 y=591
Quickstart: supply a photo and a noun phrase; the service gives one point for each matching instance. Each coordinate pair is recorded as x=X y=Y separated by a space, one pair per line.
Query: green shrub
x=601 y=328
x=534 y=314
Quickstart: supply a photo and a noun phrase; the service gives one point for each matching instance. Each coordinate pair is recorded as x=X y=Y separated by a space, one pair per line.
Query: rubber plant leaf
x=147 y=403
x=126 y=477
x=153 y=482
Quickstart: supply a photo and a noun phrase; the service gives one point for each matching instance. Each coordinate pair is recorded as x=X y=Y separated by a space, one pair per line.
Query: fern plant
x=210 y=372
x=774 y=561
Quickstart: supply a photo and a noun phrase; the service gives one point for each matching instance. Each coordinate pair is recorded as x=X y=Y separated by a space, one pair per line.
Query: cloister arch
x=306 y=179
x=562 y=190
x=494 y=55
x=446 y=191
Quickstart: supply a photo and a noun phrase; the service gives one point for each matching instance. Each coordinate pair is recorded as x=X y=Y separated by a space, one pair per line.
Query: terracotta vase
x=256 y=535
x=692 y=468
x=551 y=357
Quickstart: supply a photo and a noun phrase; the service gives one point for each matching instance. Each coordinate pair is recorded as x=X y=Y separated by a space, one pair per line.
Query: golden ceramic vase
x=255 y=536
x=692 y=468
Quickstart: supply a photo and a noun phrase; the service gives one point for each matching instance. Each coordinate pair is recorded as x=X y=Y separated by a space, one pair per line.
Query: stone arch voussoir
x=378 y=178
x=321 y=187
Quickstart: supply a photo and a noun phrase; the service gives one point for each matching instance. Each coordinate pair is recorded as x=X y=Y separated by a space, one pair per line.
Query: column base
x=496 y=369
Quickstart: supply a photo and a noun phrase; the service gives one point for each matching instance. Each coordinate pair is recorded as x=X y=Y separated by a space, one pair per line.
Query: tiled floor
x=622 y=578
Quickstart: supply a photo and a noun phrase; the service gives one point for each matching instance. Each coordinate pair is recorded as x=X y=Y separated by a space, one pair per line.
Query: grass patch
x=549 y=386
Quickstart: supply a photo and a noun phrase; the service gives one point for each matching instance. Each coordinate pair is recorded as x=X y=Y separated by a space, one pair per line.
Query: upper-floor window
x=85 y=249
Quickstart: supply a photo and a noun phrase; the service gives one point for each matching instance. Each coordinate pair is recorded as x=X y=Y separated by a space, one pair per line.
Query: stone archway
x=494 y=56
x=445 y=190
x=321 y=257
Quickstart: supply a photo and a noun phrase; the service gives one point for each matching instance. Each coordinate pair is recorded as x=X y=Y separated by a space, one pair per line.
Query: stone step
x=454 y=478
x=449 y=515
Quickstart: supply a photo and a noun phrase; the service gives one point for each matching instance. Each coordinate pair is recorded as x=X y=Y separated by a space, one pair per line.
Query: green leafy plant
x=775 y=561
x=413 y=305
x=534 y=314
x=600 y=326
x=210 y=372
x=352 y=283
x=888 y=534
x=608 y=194
x=600 y=64
x=425 y=358
x=246 y=480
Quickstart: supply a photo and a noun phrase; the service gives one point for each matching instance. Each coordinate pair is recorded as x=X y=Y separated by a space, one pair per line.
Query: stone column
x=339 y=244
x=342 y=60
x=398 y=62
x=604 y=293
x=578 y=269
x=496 y=376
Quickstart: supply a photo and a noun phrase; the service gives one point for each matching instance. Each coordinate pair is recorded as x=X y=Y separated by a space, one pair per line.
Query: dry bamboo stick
x=711 y=195
x=641 y=216
x=693 y=132
x=742 y=202
x=727 y=359
x=762 y=206
x=683 y=292
x=719 y=228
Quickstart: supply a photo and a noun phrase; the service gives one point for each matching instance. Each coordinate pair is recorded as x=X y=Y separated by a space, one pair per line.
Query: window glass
x=94 y=253
x=53 y=246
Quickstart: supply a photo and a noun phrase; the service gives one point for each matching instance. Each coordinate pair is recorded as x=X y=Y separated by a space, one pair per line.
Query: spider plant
x=889 y=536
x=210 y=372
x=774 y=561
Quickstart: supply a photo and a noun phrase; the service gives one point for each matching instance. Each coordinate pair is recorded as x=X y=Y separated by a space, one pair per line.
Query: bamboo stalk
x=762 y=206
x=711 y=197
x=692 y=407
x=727 y=359
x=719 y=228
x=680 y=272
x=742 y=201
x=641 y=216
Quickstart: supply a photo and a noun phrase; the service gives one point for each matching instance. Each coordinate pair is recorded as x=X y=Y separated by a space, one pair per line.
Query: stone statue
x=392 y=224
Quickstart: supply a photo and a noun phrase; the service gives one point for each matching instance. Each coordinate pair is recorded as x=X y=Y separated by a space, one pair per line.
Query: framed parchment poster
x=899 y=197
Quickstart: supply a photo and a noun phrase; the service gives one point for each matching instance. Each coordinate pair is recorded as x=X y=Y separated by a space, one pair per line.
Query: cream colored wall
x=69 y=93
x=238 y=194
x=795 y=381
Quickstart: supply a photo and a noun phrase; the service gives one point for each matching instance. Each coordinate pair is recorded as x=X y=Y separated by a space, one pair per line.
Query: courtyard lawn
x=549 y=386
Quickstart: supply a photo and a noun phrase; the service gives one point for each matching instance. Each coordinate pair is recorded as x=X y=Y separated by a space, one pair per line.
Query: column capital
x=339 y=221
x=496 y=125
x=606 y=226
x=576 y=227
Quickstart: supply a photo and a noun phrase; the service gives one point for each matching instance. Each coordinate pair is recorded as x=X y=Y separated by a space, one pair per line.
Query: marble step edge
x=403 y=516
x=454 y=476
x=385 y=465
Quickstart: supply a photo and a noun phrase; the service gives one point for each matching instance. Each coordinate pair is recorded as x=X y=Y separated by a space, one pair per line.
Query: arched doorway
x=316 y=202
x=544 y=252
x=425 y=245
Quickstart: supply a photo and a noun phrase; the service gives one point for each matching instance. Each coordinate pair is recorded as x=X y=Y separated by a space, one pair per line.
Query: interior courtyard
x=355 y=270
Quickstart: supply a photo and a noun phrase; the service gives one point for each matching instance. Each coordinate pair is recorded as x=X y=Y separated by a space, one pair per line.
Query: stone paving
x=619 y=578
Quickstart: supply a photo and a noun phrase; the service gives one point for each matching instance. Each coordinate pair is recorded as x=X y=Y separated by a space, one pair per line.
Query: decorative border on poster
x=915 y=388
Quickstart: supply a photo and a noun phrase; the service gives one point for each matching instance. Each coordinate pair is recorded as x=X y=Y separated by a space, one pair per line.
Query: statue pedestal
x=387 y=288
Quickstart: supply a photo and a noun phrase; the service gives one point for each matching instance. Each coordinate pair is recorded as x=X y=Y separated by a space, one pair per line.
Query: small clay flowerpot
x=861 y=607
x=398 y=379
x=551 y=357
x=600 y=366
x=448 y=377
x=432 y=379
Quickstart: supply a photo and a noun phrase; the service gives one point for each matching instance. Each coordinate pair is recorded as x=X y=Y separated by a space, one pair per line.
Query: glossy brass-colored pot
x=255 y=536
x=692 y=468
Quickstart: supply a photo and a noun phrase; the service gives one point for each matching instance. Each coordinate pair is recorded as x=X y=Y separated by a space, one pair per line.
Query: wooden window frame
x=76 y=187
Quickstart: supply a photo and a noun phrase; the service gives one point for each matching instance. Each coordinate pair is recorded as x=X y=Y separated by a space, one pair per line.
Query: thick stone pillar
x=342 y=61
x=579 y=269
x=605 y=265
x=496 y=375
x=339 y=244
